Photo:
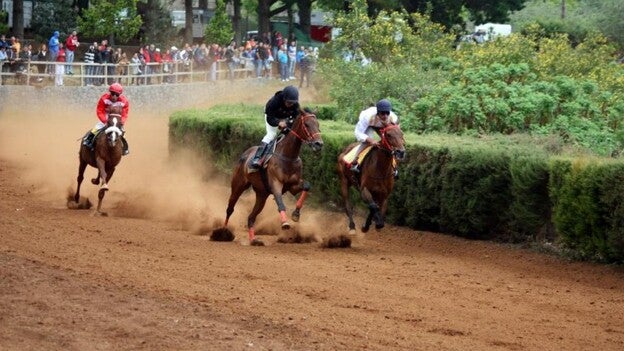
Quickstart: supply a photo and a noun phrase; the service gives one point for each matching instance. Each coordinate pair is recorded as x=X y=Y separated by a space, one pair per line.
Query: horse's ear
x=307 y=110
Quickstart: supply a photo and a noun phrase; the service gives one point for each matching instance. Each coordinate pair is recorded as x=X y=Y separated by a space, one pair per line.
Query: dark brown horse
x=105 y=156
x=281 y=173
x=376 y=177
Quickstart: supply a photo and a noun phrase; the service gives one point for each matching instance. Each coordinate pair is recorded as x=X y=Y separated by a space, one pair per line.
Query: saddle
x=349 y=157
x=267 y=154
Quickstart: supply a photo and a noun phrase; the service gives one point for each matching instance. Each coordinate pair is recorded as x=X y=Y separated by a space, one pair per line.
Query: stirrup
x=255 y=164
x=355 y=168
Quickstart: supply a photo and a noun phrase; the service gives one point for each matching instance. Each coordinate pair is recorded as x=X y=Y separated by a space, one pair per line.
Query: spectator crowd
x=267 y=56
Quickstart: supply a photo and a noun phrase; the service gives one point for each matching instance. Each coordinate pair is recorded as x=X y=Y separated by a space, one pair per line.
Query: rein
x=384 y=141
x=309 y=137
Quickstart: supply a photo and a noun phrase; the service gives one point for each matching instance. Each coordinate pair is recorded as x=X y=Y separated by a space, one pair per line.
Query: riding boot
x=354 y=165
x=88 y=140
x=124 y=145
x=255 y=161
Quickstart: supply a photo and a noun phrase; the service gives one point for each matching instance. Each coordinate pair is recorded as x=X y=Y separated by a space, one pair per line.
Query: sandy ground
x=143 y=279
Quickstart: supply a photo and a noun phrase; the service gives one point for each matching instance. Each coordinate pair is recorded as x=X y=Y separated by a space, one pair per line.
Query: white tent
x=494 y=29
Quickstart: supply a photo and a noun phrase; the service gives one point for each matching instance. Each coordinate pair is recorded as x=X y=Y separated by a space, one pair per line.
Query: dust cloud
x=148 y=184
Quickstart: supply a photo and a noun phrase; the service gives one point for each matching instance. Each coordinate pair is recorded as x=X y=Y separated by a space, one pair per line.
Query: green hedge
x=495 y=188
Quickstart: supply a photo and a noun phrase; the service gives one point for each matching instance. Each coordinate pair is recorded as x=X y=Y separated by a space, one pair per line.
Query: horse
x=375 y=180
x=105 y=156
x=280 y=174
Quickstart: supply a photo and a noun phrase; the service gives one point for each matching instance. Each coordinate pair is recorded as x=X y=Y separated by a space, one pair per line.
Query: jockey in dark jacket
x=279 y=112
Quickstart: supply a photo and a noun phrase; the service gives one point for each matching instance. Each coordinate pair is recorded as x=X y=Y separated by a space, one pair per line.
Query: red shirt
x=105 y=102
x=70 y=43
x=61 y=55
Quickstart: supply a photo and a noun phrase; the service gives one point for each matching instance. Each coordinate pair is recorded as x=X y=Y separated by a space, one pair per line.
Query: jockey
x=111 y=98
x=279 y=112
x=378 y=116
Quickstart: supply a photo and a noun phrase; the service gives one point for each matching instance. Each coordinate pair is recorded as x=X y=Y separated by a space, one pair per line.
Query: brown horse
x=376 y=177
x=281 y=173
x=105 y=156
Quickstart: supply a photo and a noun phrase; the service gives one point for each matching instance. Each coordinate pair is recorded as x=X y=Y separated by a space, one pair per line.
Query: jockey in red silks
x=109 y=99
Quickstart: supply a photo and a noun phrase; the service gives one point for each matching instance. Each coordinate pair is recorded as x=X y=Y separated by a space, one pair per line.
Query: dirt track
x=142 y=279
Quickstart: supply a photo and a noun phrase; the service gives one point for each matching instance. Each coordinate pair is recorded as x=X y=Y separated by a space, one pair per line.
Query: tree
x=446 y=12
x=219 y=29
x=4 y=18
x=18 y=18
x=113 y=20
x=188 y=23
x=156 y=27
x=51 y=15
x=236 y=20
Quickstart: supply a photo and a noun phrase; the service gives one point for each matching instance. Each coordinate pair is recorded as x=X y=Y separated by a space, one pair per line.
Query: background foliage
x=537 y=83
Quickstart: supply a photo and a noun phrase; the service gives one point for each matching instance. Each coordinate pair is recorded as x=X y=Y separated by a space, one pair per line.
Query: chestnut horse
x=376 y=177
x=105 y=156
x=281 y=173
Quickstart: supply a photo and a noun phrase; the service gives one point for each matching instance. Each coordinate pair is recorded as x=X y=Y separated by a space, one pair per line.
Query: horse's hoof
x=351 y=231
x=256 y=242
x=100 y=214
x=285 y=226
x=379 y=226
x=295 y=216
x=104 y=187
x=95 y=181
x=364 y=229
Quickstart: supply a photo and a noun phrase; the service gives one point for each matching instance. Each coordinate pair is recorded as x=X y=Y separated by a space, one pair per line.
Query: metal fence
x=86 y=74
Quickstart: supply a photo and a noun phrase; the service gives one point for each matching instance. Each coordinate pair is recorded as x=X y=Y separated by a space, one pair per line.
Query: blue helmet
x=384 y=105
x=290 y=93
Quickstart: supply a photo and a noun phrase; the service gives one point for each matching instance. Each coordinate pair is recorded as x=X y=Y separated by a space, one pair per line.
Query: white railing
x=84 y=74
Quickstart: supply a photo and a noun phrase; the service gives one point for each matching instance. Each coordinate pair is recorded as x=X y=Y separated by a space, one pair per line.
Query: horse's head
x=392 y=140
x=113 y=126
x=306 y=128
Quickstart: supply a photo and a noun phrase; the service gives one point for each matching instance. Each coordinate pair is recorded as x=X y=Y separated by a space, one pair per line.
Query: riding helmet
x=116 y=88
x=290 y=94
x=384 y=105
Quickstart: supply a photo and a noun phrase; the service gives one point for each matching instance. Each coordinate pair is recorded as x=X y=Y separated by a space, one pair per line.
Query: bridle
x=113 y=129
x=384 y=140
x=307 y=137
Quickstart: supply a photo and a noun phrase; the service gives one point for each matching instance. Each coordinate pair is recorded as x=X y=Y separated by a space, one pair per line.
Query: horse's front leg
x=261 y=197
x=380 y=216
x=304 y=187
x=81 y=169
x=372 y=206
x=344 y=191
x=96 y=180
x=276 y=190
x=102 y=173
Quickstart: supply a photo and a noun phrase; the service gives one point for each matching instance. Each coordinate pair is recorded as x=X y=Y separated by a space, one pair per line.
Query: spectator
x=230 y=59
x=90 y=60
x=42 y=55
x=53 y=46
x=292 y=59
x=71 y=44
x=16 y=44
x=135 y=66
x=59 y=69
x=306 y=66
x=121 y=69
x=3 y=60
x=282 y=58
x=3 y=42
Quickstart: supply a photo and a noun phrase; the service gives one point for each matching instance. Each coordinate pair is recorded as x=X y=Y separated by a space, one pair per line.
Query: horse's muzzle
x=400 y=154
x=316 y=145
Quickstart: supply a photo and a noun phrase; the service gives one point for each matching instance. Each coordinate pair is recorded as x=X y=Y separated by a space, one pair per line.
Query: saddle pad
x=349 y=156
